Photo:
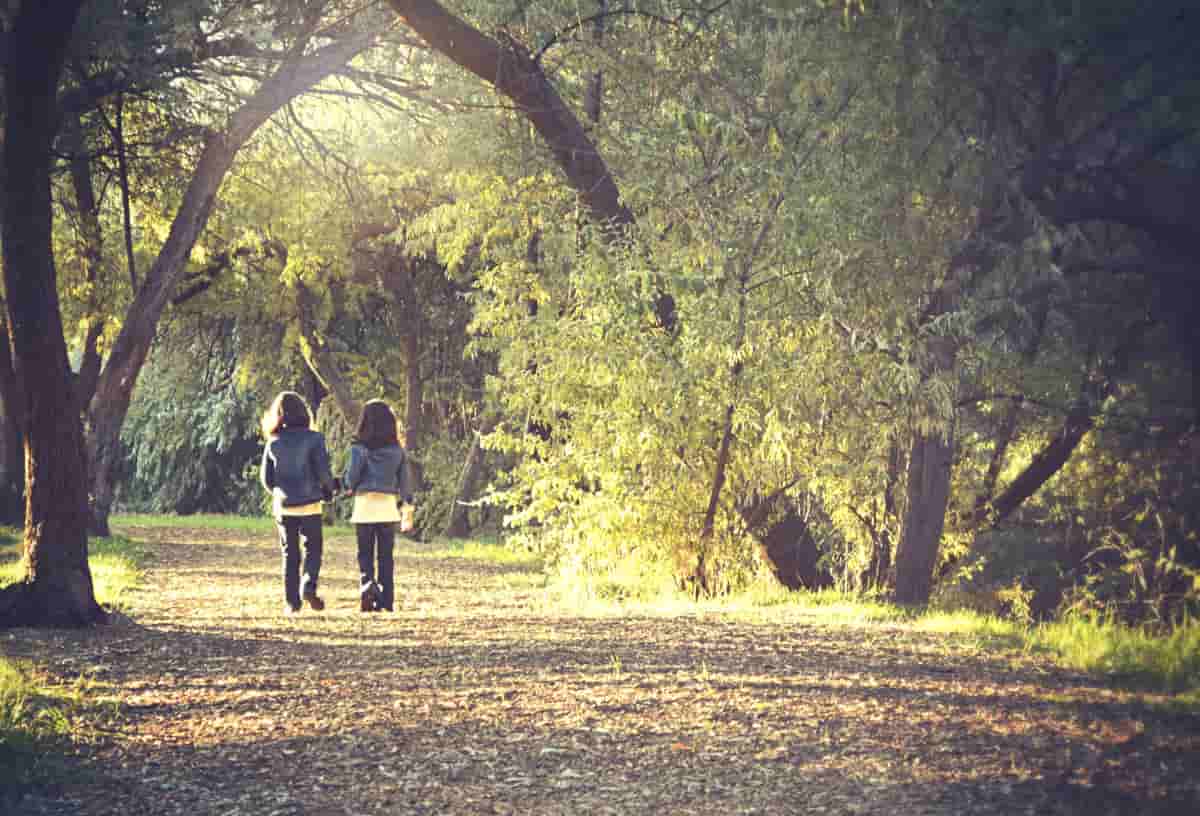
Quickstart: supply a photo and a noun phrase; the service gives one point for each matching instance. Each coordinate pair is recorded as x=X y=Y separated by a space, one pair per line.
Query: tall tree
x=57 y=588
x=300 y=71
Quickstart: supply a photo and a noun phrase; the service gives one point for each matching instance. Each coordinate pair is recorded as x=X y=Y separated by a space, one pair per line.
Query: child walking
x=295 y=470
x=375 y=475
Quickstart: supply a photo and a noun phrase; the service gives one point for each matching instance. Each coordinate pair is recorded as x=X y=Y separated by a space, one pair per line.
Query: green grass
x=204 y=521
x=1129 y=657
x=39 y=719
x=1132 y=657
x=492 y=552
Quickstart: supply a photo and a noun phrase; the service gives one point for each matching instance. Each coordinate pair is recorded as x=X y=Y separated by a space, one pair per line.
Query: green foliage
x=743 y=169
x=191 y=435
x=1016 y=573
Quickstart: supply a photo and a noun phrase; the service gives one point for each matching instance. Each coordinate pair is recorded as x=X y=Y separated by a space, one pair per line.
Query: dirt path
x=473 y=699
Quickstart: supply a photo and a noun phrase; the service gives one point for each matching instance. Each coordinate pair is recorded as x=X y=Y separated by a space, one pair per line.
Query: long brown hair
x=377 y=426
x=287 y=410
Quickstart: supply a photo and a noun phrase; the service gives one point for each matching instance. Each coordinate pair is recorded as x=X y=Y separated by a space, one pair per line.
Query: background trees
x=840 y=295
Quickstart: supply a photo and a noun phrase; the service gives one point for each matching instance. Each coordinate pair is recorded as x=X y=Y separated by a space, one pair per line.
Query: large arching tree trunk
x=57 y=589
x=508 y=67
x=115 y=388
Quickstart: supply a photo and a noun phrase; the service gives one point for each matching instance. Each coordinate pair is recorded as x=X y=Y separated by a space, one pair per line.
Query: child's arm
x=324 y=473
x=354 y=469
x=266 y=471
x=402 y=485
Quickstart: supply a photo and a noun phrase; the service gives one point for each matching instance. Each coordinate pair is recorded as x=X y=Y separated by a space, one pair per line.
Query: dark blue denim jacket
x=295 y=467
x=377 y=470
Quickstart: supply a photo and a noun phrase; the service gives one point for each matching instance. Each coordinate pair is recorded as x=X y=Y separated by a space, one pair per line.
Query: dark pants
x=294 y=531
x=375 y=545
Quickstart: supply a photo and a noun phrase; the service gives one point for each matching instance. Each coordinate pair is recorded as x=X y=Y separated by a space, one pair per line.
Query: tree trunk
x=878 y=574
x=12 y=437
x=57 y=588
x=1098 y=384
x=115 y=388
x=91 y=250
x=459 y=523
x=12 y=466
x=699 y=578
x=414 y=387
x=929 y=465
x=319 y=358
x=931 y=456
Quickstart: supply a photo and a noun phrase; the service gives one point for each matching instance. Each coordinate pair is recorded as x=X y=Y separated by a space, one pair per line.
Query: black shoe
x=314 y=600
x=288 y=609
x=369 y=599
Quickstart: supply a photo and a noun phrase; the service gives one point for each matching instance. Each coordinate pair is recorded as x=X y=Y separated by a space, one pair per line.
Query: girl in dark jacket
x=295 y=469
x=375 y=475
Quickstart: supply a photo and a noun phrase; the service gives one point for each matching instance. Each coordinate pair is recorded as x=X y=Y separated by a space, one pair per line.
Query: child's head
x=288 y=410
x=377 y=425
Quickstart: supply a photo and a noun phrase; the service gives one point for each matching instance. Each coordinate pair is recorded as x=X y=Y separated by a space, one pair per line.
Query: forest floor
x=478 y=697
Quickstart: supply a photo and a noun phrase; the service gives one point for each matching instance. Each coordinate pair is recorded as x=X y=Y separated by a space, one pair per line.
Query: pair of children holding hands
x=296 y=471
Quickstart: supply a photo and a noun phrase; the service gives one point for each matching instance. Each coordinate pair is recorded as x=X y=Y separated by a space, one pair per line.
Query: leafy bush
x=1014 y=573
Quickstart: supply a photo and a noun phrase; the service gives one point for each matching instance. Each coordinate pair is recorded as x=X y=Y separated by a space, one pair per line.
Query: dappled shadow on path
x=471 y=701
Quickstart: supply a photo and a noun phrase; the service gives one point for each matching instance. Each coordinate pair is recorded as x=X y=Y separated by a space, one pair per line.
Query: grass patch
x=38 y=720
x=491 y=552
x=207 y=521
x=1133 y=657
x=201 y=521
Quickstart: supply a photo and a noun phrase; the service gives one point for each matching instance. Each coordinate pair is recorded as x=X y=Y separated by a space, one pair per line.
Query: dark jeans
x=375 y=545
x=294 y=531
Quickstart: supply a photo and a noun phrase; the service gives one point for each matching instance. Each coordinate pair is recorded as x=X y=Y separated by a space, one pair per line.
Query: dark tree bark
x=931 y=455
x=12 y=437
x=57 y=588
x=928 y=492
x=399 y=280
x=414 y=387
x=91 y=250
x=878 y=573
x=785 y=541
x=509 y=68
x=115 y=388
x=1098 y=384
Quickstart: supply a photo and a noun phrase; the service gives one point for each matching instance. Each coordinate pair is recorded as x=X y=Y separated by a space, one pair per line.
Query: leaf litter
x=476 y=698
